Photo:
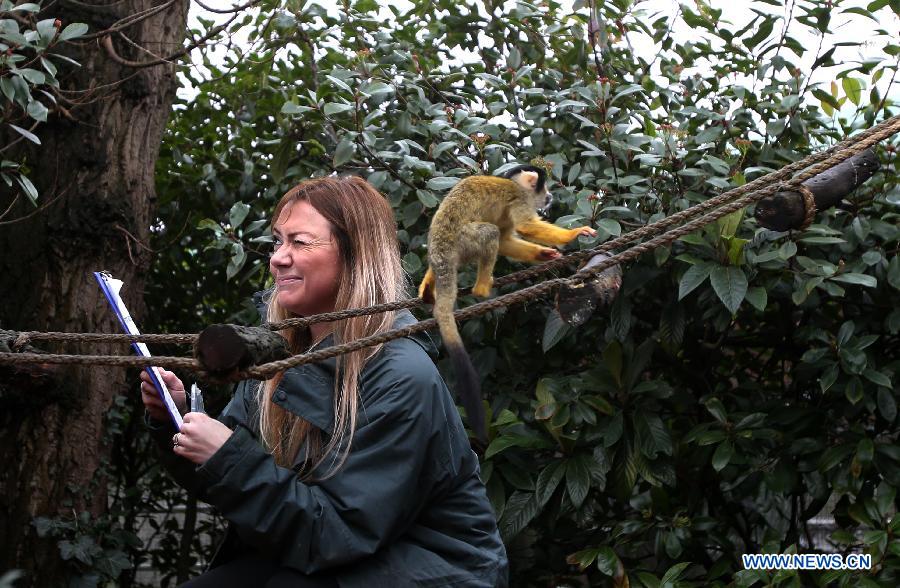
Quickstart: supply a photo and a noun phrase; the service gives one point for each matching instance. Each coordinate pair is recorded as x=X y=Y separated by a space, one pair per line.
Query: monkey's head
x=534 y=180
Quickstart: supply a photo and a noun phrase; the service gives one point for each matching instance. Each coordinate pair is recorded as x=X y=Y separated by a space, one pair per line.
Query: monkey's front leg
x=549 y=234
x=524 y=251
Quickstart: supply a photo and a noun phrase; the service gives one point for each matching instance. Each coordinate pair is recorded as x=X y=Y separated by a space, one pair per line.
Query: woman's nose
x=280 y=257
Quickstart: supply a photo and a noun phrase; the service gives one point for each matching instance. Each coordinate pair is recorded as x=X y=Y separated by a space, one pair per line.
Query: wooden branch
x=576 y=304
x=223 y=349
x=784 y=211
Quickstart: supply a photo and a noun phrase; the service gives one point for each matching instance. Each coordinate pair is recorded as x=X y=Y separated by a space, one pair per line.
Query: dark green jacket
x=407 y=508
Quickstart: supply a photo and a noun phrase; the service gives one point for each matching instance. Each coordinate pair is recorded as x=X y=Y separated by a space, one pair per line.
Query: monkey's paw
x=583 y=231
x=483 y=290
x=546 y=254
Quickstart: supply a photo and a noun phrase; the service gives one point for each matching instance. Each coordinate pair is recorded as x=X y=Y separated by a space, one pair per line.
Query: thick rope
x=809 y=207
x=825 y=160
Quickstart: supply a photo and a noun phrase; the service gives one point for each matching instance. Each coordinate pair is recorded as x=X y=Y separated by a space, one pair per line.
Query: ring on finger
x=175 y=441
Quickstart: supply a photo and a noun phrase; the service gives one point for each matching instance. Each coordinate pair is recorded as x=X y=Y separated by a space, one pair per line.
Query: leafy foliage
x=28 y=78
x=743 y=380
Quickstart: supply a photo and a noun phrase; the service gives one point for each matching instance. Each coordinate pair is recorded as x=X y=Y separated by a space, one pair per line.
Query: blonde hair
x=362 y=223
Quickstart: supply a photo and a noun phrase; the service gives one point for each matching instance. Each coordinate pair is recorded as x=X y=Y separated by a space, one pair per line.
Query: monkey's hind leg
x=480 y=242
x=426 y=288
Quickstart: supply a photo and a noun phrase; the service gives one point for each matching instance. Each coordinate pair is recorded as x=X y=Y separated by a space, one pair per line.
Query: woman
x=350 y=472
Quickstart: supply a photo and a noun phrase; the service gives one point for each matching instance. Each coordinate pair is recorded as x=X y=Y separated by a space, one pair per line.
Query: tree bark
x=785 y=211
x=100 y=162
x=224 y=349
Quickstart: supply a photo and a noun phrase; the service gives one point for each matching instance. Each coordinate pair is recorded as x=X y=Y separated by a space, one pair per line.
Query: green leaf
x=28 y=188
x=730 y=284
x=238 y=213
x=854 y=391
x=717 y=409
x=546 y=411
x=332 y=108
x=521 y=508
x=554 y=330
x=548 y=481
x=607 y=561
x=845 y=332
x=887 y=406
x=37 y=111
x=693 y=277
x=411 y=263
x=583 y=558
x=427 y=199
x=578 y=478
x=26 y=133
x=32 y=75
x=853 y=88
x=865 y=450
x=893 y=274
x=787 y=250
x=853 y=360
x=609 y=226
x=344 y=151
x=833 y=456
x=829 y=376
x=722 y=455
x=238 y=256
x=877 y=378
x=505 y=441
x=728 y=224
x=73 y=31
x=757 y=297
x=48 y=65
x=822 y=240
x=8 y=89
x=672 y=574
x=208 y=223
x=764 y=30
x=652 y=435
x=441 y=184
x=854 y=278
x=291 y=108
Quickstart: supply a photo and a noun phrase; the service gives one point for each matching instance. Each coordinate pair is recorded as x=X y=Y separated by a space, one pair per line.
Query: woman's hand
x=200 y=437
x=151 y=399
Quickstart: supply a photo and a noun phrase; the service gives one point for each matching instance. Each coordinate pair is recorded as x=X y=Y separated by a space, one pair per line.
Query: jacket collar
x=308 y=390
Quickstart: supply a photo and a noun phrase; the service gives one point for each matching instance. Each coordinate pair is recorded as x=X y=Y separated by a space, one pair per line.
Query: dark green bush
x=742 y=382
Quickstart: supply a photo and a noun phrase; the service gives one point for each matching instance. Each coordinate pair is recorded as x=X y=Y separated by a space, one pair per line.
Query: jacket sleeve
x=372 y=499
x=183 y=471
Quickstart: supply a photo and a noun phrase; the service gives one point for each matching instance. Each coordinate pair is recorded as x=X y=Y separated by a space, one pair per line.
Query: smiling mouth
x=287 y=281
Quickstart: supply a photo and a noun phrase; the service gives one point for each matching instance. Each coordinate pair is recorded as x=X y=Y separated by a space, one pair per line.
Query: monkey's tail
x=468 y=382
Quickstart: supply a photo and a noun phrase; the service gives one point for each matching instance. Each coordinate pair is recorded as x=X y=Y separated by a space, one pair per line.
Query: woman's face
x=306 y=262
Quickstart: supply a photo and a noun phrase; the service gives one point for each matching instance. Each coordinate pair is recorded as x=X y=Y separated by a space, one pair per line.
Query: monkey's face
x=543 y=200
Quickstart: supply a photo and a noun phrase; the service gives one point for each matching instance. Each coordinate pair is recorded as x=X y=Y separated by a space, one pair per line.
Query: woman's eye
x=299 y=243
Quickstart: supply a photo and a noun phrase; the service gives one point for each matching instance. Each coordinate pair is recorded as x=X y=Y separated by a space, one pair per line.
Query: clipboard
x=111 y=287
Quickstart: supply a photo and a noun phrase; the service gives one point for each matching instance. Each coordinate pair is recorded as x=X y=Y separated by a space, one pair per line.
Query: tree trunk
x=101 y=161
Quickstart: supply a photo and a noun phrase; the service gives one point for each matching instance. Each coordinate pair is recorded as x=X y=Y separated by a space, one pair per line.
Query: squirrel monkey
x=481 y=217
